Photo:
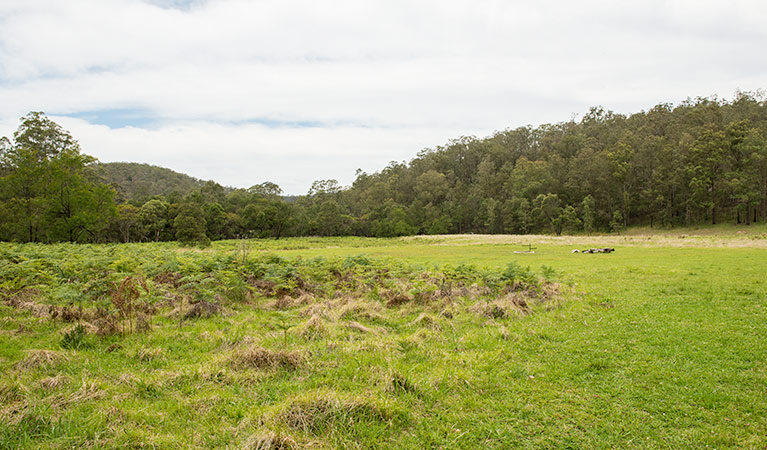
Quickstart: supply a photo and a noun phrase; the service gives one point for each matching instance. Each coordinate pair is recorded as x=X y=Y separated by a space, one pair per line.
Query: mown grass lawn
x=658 y=345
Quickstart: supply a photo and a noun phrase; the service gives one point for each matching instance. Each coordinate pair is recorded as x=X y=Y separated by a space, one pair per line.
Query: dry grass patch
x=203 y=310
x=26 y=300
x=319 y=413
x=149 y=354
x=313 y=328
x=54 y=382
x=395 y=297
x=360 y=310
x=323 y=309
x=262 y=358
x=10 y=393
x=511 y=305
x=270 y=441
x=40 y=359
x=88 y=391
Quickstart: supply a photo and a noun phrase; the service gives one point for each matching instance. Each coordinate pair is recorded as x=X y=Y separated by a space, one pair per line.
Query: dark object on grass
x=599 y=250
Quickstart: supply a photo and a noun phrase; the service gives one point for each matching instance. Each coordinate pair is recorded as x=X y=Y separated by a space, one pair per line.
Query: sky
x=292 y=91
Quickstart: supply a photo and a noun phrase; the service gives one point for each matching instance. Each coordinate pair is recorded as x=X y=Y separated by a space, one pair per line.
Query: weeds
x=124 y=297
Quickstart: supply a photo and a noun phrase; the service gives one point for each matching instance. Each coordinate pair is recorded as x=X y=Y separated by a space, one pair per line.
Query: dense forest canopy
x=704 y=160
x=137 y=182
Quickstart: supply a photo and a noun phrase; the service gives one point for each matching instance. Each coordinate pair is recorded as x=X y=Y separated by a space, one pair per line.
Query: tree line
x=702 y=161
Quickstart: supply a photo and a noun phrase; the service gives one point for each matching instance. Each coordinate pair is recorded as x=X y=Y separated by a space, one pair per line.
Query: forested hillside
x=702 y=161
x=138 y=182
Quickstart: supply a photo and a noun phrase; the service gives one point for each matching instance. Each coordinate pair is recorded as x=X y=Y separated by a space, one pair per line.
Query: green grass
x=658 y=345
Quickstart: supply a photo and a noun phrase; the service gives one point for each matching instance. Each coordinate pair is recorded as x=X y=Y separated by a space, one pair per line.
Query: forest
x=701 y=161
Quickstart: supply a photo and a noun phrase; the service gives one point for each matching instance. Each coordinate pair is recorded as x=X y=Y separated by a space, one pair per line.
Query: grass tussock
x=317 y=414
x=53 y=383
x=357 y=309
x=262 y=358
x=202 y=310
x=87 y=328
x=88 y=391
x=10 y=393
x=313 y=328
x=40 y=359
x=514 y=304
x=270 y=441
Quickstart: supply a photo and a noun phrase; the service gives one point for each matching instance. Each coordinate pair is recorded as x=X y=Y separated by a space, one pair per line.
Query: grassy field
x=428 y=342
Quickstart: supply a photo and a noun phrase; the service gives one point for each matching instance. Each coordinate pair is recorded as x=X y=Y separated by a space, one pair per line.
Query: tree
x=266 y=189
x=215 y=220
x=45 y=137
x=616 y=224
x=279 y=217
x=190 y=225
x=587 y=213
x=127 y=222
x=706 y=164
x=50 y=191
x=154 y=218
x=431 y=187
x=547 y=210
x=569 y=220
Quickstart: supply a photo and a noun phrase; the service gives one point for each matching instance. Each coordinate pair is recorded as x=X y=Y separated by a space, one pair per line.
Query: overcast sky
x=290 y=91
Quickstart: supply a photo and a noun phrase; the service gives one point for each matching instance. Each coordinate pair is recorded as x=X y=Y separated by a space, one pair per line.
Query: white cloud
x=377 y=80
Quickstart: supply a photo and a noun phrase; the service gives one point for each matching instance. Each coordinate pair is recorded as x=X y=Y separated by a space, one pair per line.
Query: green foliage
x=516 y=273
x=549 y=273
x=75 y=339
x=49 y=190
x=587 y=212
x=190 y=225
x=616 y=224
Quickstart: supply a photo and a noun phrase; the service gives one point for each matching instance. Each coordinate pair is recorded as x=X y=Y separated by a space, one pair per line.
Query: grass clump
x=270 y=441
x=203 y=310
x=326 y=412
x=262 y=358
x=361 y=310
x=40 y=359
x=10 y=393
x=511 y=305
x=314 y=328
x=54 y=382
x=75 y=339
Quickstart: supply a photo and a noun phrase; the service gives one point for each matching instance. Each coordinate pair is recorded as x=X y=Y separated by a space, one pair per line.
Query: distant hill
x=139 y=182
